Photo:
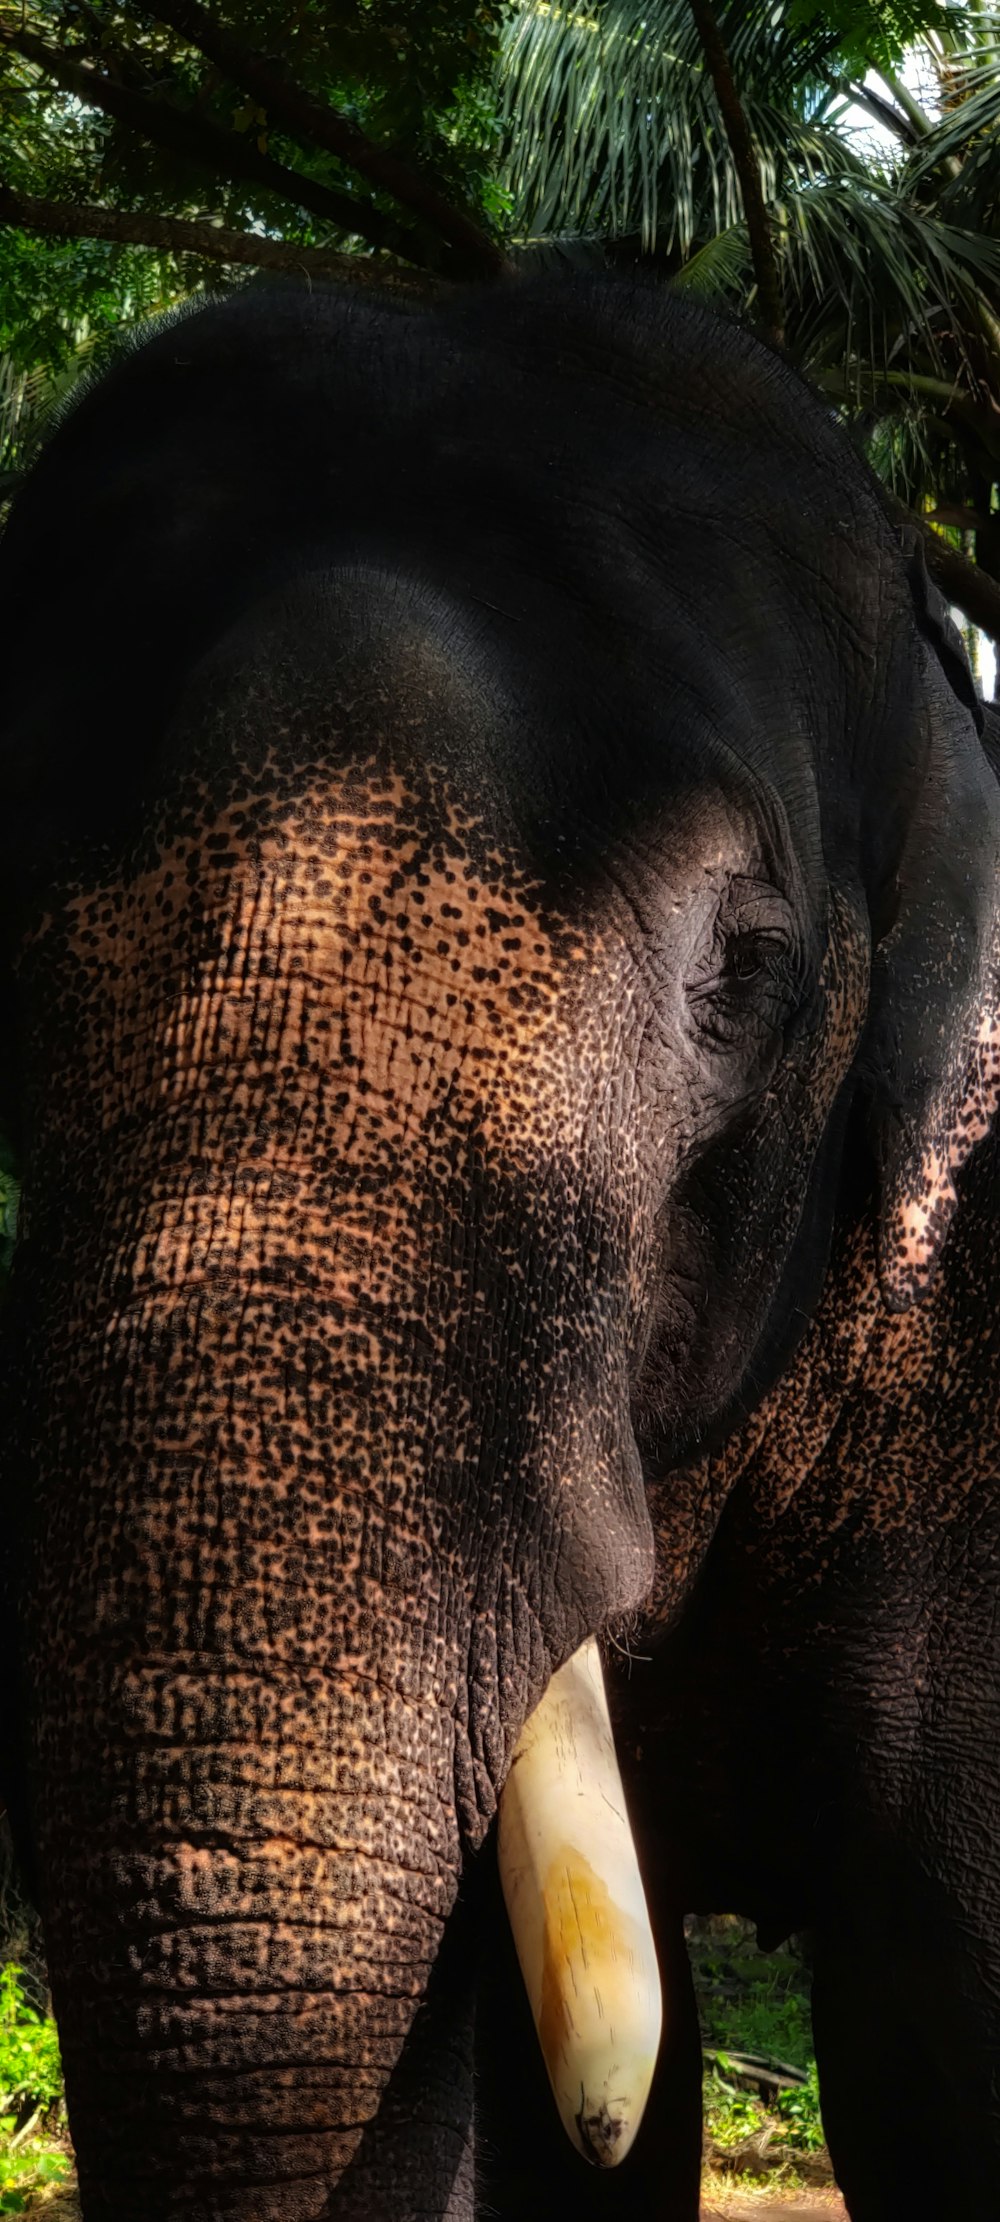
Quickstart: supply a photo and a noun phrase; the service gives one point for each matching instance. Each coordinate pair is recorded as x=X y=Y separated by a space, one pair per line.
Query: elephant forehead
x=368 y=948
x=422 y=969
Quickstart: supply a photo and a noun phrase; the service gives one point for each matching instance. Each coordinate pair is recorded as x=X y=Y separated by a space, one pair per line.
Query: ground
x=771 y=2206
x=752 y=2206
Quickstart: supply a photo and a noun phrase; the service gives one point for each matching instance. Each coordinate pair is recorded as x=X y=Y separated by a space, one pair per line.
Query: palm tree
x=886 y=245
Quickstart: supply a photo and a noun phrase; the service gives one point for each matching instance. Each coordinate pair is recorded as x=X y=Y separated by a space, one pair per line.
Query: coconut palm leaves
x=888 y=252
x=611 y=123
x=959 y=157
x=612 y=132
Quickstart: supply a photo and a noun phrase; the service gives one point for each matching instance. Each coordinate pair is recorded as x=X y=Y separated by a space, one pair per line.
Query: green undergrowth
x=761 y=2089
x=762 y=2119
x=33 y=2154
x=733 y=2116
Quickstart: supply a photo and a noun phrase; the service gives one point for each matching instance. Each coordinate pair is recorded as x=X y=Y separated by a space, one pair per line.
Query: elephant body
x=502 y=960
x=826 y=1714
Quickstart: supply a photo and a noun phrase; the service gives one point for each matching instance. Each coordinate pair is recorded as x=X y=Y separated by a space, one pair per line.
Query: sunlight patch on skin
x=961 y=1118
x=403 y=988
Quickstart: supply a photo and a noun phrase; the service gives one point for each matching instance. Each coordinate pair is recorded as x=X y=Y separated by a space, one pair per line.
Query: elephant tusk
x=577 y=1909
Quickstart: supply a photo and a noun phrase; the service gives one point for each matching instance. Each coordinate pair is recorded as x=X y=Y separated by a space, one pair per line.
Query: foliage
x=59 y=303
x=800 y=2113
x=870 y=36
x=409 y=73
x=887 y=255
x=106 y=109
x=734 y=2116
x=30 y=2087
x=755 y=2017
x=610 y=122
x=731 y=2115
x=30 y=2072
x=30 y=2167
x=768 y=2018
x=612 y=130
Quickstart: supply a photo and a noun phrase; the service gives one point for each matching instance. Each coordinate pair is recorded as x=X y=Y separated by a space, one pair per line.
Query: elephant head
x=502 y=801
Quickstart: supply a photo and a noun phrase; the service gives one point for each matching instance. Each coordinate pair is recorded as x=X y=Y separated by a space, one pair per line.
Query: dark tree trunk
x=772 y=317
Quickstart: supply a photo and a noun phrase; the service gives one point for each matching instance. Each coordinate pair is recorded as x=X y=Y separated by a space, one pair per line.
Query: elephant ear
x=936 y=977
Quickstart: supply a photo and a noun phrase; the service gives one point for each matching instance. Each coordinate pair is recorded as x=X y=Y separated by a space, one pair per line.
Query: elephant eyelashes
x=748 y=958
x=745 y=982
x=761 y=965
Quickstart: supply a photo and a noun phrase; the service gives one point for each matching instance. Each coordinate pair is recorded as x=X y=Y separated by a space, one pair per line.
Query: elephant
x=501 y=976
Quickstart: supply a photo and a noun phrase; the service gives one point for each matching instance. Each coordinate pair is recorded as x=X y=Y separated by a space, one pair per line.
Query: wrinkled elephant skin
x=502 y=975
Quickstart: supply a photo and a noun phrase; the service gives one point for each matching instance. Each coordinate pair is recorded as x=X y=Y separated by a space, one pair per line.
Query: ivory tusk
x=577 y=1909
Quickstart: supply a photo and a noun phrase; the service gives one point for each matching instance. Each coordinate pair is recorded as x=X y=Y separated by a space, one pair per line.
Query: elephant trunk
x=245 y=1730
x=245 y=1915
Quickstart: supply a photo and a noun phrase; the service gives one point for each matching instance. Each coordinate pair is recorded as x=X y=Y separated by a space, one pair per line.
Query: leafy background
x=149 y=158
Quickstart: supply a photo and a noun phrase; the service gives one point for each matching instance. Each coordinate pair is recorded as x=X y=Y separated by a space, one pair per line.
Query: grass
x=759 y=2132
x=761 y=2089
x=33 y=2147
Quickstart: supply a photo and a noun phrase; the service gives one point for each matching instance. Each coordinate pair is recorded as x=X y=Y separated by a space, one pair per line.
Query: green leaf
x=870 y=35
x=30 y=2068
x=610 y=119
x=718 y=267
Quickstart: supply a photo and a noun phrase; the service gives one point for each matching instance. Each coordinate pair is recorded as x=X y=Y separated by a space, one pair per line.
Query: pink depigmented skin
x=958 y=1120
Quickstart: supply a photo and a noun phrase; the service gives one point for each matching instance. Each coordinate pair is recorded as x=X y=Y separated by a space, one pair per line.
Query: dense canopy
x=831 y=171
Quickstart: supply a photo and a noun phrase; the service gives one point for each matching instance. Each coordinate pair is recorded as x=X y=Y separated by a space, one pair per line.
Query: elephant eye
x=746 y=957
x=755 y=968
x=745 y=982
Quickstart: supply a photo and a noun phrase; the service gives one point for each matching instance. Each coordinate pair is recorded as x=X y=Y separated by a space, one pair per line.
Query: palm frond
x=883 y=273
x=719 y=269
x=594 y=114
x=611 y=123
x=889 y=263
x=910 y=451
x=805 y=148
x=960 y=157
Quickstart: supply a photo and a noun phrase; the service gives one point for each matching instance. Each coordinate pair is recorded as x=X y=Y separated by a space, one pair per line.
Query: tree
x=144 y=155
x=418 y=142
x=886 y=266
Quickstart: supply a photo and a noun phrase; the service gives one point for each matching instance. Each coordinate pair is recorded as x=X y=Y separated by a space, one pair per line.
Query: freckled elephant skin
x=827 y=1717
x=531 y=885
x=257 y=1288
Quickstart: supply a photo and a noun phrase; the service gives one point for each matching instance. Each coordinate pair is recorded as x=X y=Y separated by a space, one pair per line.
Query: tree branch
x=966 y=584
x=972 y=590
x=980 y=419
x=747 y=169
x=180 y=235
x=956 y=515
x=864 y=96
x=904 y=99
x=476 y=255
x=225 y=153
